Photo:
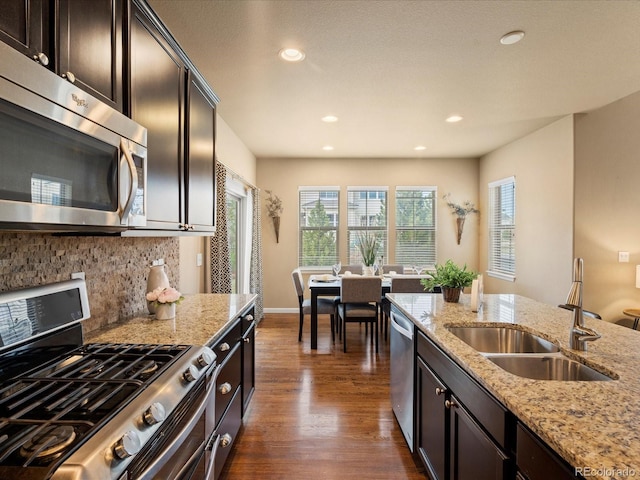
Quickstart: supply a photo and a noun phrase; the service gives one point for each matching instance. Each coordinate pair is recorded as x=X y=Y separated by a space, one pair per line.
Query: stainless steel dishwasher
x=402 y=369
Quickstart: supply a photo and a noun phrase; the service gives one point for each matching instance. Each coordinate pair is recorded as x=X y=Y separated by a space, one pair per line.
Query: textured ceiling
x=392 y=71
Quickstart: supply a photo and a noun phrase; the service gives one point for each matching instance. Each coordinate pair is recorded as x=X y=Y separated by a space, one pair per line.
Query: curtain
x=255 y=274
x=219 y=243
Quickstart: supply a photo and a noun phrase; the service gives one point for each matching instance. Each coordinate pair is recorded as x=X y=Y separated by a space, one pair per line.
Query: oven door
x=179 y=450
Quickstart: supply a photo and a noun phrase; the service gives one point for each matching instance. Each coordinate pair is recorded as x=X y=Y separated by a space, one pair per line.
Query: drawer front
x=227 y=431
x=537 y=461
x=224 y=346
x=228 y=381
x=487 y=411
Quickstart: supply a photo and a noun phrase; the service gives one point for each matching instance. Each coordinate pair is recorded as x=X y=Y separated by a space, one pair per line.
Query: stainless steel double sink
x=525 y=354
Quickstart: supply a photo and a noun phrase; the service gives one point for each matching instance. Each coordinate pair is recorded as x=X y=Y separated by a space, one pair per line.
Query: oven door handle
x=185 y=432
x=214 y=444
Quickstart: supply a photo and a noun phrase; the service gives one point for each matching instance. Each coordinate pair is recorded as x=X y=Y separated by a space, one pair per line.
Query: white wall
x=542 y=163
x=456 y=176
x=607 y=204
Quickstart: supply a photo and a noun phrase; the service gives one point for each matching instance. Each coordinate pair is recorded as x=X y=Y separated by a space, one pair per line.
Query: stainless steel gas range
x=70 y=411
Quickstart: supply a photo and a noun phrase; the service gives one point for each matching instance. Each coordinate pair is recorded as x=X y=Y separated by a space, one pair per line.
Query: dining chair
x=355 y=269
x=399 y=269
x=359 y=302
x=326 y=306
x=399 y=284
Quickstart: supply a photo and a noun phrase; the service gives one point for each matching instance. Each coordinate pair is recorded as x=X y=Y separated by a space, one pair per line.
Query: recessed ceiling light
x=327 y=148
x=512 y=37
x=454 y=118
x=420 y=147
x=291 y=54
x=329 y=119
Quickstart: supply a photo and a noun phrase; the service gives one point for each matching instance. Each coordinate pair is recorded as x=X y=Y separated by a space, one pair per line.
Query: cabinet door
x=23 y=26
x=89 y=47
x=474 y=456
x=200 y=168
x=432 y=422
x=157 y=85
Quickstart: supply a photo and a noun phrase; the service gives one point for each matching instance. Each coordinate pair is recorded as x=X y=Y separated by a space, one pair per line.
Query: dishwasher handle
x=401 y=325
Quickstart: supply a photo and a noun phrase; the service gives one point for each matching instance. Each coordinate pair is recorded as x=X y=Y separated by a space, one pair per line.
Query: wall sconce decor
x=274 y=209
x=461 y=212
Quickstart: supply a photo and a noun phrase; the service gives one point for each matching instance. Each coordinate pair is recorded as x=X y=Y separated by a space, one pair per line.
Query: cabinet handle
x=246 y=340
x=450 y=403
x=225 y=388
x=226 y=440
x=224 y=347
x=69 y=76
x=41 y=58
x=440 y=391
x=249 y=318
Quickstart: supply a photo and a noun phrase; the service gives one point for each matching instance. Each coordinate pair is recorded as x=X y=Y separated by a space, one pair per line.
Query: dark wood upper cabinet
x=24 y=25
x=89 y=47
x=79 y=40
x=157 y=86
x=200 y=185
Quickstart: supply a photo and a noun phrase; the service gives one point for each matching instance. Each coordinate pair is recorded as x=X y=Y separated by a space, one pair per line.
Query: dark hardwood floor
x=319 y=414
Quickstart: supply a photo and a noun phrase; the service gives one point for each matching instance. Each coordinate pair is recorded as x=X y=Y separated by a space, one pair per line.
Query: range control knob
x=206 y=358
x=154 y=414
x=127 y=446
x=190 y=374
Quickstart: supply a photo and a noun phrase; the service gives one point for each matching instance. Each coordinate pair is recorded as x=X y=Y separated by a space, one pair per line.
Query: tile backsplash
x=115 y=268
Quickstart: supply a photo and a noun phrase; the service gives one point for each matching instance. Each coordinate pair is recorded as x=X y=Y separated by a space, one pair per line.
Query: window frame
x=429 y=258
x=366 y=194
x=334 y=227
x=501 y=255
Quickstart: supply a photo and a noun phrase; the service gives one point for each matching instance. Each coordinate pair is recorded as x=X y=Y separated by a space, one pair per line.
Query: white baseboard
x=281 y=310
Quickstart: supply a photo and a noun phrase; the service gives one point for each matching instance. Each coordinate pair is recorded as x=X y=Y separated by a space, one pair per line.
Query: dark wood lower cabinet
x=474 y=456
x=464 y=433
x=432 y=434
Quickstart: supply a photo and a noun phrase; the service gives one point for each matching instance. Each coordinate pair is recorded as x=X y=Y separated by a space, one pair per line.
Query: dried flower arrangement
x=274 y=204
x=461 y=212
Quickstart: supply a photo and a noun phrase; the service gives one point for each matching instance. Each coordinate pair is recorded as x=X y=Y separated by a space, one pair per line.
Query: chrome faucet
x=580 y=334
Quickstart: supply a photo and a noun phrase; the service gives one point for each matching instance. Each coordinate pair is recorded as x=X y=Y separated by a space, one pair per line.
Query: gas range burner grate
x=50 y=408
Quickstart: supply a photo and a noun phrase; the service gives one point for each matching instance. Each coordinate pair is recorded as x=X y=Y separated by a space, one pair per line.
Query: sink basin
x=547 y=367
x=502 y=340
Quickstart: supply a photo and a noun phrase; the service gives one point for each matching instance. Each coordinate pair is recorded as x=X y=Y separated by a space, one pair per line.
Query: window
x=366 y=215
x=319 y=220
x=502 y=226
x=416 y=226
x=238 y=234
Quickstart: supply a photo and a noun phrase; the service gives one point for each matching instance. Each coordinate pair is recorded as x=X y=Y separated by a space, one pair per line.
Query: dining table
x=329 y=286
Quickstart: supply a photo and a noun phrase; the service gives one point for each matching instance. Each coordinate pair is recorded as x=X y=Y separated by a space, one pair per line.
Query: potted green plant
x=368 y=246
x=451 y=279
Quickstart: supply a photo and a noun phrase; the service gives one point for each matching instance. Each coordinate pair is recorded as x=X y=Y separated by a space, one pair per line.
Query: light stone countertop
x=200 y=320
x=592 y=425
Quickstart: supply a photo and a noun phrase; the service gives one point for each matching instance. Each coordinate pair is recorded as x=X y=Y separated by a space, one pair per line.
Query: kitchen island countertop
x=200 y=320
x=592 y=425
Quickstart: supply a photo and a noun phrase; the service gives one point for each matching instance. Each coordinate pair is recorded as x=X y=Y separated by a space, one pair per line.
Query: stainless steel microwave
x=67 y=160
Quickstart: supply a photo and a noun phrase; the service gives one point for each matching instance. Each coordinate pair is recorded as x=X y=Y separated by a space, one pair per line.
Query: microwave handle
x=134 y=182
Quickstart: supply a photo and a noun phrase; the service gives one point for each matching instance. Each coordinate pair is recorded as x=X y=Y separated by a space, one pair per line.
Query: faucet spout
x=579 y=334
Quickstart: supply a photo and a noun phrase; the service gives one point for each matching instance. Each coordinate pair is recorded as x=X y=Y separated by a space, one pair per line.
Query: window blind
x=319 y=209
x=416 y=226
x=366 y=216
x=502 y=224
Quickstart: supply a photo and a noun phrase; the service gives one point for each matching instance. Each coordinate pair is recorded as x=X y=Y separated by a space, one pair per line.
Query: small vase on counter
x=165 y=311
x=157 y=278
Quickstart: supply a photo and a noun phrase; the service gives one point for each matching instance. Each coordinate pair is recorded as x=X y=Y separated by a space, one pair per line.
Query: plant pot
x=368 y=271
x=450 y=294
x=165 y=311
